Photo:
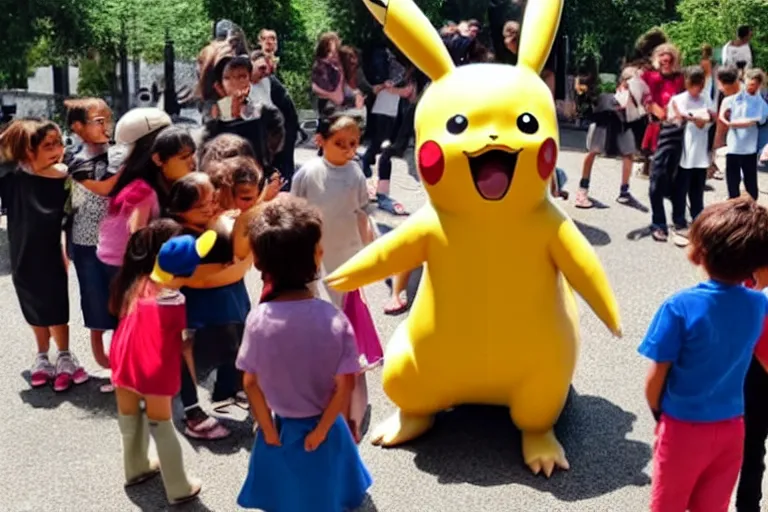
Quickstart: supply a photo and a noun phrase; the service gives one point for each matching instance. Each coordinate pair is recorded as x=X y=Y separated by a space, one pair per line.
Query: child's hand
x=700 y=123
x=276 y=183
x=314 y=439
x=271 y=437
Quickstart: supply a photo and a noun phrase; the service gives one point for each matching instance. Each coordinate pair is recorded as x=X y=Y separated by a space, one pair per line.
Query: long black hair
x=139 y=260
x=140 y=166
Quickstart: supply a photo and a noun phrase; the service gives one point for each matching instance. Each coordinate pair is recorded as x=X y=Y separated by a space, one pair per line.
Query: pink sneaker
x=42 y=371
x=68 y=372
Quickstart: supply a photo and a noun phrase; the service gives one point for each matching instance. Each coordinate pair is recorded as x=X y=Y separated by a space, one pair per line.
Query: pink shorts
x=696 y=465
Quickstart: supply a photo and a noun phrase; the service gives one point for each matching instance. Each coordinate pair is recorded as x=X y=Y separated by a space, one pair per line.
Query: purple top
x=296 y=349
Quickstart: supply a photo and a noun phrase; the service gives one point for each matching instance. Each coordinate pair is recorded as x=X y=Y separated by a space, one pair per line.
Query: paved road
x=61 y=453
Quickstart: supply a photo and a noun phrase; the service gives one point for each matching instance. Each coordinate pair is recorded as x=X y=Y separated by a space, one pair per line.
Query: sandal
x=582 y=200
x=396 y=306
x=390 y=205
x=208 y=429
x=239 y=400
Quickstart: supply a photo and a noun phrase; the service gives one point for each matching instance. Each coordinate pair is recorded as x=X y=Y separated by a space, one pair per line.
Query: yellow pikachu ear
x=540 y=24
x=411 y=31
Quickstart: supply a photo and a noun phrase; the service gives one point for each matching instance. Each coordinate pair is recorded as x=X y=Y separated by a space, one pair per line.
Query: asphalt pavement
x=62 y=453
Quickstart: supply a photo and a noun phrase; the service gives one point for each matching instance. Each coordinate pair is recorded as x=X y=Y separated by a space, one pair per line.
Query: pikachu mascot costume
x=487 y=143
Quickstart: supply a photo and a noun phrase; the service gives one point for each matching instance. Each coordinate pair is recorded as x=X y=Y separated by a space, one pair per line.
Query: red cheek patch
x=431 y=162
x=547 y=158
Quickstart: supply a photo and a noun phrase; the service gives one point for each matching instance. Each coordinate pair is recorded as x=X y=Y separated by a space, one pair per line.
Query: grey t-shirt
x=340 y=193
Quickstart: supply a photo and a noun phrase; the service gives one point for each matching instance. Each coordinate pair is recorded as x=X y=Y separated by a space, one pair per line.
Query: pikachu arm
x=577 y=260
x=404 y=248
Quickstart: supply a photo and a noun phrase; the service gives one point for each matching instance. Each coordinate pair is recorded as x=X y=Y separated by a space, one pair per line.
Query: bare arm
x=654 y=385
x=259 y=409
x=101 y=188
x=139 y=218
x=344 y=385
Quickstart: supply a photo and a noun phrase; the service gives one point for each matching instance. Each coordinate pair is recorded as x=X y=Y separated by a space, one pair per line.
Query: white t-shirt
x=261 y=93
x=743 y=106
x=732 y=55
x=696 y=153
x=386 y=104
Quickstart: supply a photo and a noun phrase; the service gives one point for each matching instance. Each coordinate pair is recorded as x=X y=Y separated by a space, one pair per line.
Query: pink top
x=146 y=350
x=761 y=350
x=663 y=88
x=114 y=231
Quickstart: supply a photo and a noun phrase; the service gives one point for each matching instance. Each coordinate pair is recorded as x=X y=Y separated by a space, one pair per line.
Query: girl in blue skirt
x=299 y=359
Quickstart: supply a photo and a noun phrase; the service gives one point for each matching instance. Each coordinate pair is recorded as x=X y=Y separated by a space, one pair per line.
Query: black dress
x=35 y=221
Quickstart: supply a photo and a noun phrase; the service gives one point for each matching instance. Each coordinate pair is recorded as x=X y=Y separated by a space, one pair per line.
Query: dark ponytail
x=139 y=260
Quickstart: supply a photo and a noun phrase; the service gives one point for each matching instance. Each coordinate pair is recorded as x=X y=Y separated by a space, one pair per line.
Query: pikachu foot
x=401 y=428
x=543 y=452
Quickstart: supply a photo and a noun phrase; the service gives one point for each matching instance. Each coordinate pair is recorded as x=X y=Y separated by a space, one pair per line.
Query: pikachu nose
x=494 y=137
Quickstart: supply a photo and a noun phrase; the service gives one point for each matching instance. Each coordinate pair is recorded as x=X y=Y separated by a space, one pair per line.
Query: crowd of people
x=687 y=125
x=163 y=226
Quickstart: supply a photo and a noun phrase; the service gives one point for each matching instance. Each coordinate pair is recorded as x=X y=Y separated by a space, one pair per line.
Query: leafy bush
x=715 y=22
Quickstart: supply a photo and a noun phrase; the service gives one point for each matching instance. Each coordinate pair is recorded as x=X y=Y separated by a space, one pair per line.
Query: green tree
x=61 y=25
x=715 y=22
x=606 y=30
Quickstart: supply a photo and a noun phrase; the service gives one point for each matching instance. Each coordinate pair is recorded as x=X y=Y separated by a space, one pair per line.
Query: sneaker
x=625 y=198
x=680 y=237
x=42 y=371
x=68 y=372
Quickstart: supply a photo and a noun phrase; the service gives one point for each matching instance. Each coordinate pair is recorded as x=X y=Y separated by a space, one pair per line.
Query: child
x=136 y=197
x=697 y=112
x=35 y=194
x=610 y=133
x=741 y=113
x=335 y=184
x=146 y=351
x=221 y=147
x=217 y=305
x=303 y=457
x=90 y=119
x=749 y=492
x=701 y=342
x=233 y=85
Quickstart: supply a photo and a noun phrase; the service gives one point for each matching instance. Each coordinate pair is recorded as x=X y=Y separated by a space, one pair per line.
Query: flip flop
x=402 y=308
x=389 y=205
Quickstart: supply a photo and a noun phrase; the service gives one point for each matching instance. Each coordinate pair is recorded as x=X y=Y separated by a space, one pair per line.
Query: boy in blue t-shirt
x=701 y=343
x=742 y=113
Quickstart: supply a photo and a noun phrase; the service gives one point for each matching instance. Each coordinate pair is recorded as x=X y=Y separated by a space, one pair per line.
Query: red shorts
x=696 y=465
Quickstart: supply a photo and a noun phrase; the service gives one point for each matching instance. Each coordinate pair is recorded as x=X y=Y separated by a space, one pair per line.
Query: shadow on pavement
x=596 y=236
x=479 y=445
x=368 y=505
x=85 y=396
x=150 y=496
x=5 y=253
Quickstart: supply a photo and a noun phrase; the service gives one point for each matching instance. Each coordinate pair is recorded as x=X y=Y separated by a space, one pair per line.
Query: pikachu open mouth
x=492 y=169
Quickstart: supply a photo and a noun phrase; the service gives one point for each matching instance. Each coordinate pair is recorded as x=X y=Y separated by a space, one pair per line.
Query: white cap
x=139 y=122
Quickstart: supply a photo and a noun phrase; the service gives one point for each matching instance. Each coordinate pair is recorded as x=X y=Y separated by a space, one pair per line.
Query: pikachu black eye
x=457 y=124
x=527 y=124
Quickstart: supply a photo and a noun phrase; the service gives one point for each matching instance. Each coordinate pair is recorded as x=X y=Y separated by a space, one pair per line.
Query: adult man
x=268 y=42
x=739 y=52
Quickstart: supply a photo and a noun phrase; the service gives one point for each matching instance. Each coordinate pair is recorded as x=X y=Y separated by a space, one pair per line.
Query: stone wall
x=30 y=104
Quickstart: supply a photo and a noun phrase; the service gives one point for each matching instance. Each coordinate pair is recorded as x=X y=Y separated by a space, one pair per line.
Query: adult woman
x=664 y=81
x=268 y=90
x=327 y=76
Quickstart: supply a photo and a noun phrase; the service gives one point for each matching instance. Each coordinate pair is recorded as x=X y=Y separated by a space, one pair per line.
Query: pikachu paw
x=400 y=428
x=543 y=452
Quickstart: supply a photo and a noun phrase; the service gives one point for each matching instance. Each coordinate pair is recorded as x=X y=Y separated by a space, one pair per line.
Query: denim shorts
x=94 y=278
